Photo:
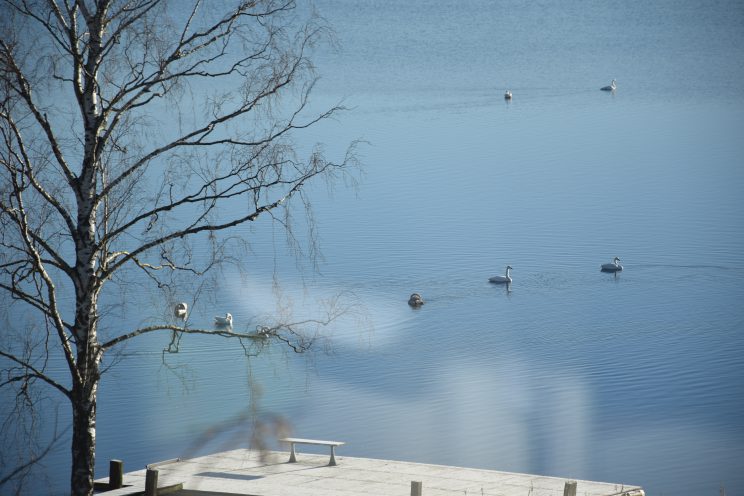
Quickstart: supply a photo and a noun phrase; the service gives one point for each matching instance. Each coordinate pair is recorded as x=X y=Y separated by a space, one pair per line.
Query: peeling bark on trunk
x=84 y=399
x=83 y=438
x=89 y=354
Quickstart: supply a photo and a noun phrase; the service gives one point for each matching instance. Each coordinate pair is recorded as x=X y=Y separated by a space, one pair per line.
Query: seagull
x=508 y=95
x=611 y=87
x=225 y=321
x=612 y=267
x=415 y=300
x=502 y=279
x=181 y=311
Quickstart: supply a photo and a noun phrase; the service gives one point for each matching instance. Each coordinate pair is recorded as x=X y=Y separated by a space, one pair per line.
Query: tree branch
x=34 y=373
x=23 y=89
x=302 y=344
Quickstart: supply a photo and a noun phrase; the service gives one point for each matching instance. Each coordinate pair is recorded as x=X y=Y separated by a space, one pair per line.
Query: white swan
x=415 y=300
x=502 y=279
x=181 y=311
x=225 y=321
x=508 y=95
x=612 y=267
x=611 y=87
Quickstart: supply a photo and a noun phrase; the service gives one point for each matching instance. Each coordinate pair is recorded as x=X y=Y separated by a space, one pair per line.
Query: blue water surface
x=634 y=378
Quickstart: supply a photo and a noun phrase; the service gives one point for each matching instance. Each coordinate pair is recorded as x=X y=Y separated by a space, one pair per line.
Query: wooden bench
x=296 y=440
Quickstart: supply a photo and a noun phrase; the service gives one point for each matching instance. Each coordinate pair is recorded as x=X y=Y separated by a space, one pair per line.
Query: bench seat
x=298 y=440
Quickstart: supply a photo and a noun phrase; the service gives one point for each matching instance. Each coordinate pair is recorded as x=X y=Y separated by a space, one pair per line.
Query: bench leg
x=292 y=457
x=333 y=456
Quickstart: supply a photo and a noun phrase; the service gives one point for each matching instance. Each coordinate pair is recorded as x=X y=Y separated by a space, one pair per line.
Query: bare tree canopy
x=128 y=129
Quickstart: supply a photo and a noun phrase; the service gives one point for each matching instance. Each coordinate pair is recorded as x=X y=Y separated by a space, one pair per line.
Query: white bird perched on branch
x=181 y=311
x=225 y=321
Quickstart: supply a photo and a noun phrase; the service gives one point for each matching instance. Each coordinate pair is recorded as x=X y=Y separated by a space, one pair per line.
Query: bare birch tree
x=129 y=129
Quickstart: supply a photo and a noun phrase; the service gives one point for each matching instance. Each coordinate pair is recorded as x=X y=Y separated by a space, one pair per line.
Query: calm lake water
x=635 y=378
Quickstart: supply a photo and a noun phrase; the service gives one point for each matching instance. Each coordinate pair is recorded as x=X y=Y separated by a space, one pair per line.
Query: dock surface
x=247 y=472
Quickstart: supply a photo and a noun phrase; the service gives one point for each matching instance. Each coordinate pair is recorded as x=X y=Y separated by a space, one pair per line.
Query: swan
x=502 y=279
x=415 y=300
x=225 y=321
x=611 y=87
x=612 y=267
x=181 y=311
x=508 y=95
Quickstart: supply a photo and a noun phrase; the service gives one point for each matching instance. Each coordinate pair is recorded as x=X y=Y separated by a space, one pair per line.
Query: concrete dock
x=247 y=472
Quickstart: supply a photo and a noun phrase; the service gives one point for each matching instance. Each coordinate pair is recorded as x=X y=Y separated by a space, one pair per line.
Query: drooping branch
x=34 y=301
x=29 y=371
x=195 y=230
x=139 y=90
x=20 y=164
x=48 y=307
x=36 y=264
x=262 y=332
x=297 y=185
x=203 y=194
x=197 y=137
x=16 y=81
x=31 y=461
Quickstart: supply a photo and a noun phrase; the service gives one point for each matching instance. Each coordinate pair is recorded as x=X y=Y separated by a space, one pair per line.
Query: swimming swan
x=181 y=311
x=502 y=279
x=415 y=300
x=611 y=87
x=225 y=321
x=508 y=95
x=612 y=267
